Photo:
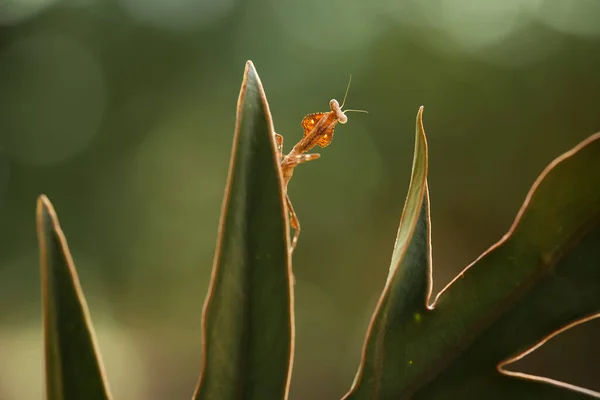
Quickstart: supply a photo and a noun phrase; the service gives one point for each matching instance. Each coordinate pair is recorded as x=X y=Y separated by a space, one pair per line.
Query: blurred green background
x=122 y=112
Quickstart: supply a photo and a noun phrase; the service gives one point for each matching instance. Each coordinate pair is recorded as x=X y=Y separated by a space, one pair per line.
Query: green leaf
x=403 y=301
x=248 y=316
x=73 y=367
x=540 y=279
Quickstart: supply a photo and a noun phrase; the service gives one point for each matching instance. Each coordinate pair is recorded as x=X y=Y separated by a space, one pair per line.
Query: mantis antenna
x=362 y=111
x=346 y=95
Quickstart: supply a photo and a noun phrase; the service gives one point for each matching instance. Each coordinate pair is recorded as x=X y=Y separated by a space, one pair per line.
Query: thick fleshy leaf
x=539 y=279
x=73 y=367
x=247 y=320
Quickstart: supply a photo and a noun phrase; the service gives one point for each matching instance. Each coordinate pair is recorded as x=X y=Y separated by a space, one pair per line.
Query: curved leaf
x=541 y=278
x=73 y=367
x=247 y=320
x=403 y=301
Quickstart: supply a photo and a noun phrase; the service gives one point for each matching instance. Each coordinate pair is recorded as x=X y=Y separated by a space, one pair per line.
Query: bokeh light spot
x=577 y=17
x=335 y=25
x=476 y=24
x=522 y=48
x=16 y=11
x=52 y=99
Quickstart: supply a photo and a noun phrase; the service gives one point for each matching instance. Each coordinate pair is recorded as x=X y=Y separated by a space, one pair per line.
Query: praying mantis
x=318 y=130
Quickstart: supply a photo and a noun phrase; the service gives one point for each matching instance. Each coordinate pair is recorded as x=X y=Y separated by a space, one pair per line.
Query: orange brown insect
x=318 y=131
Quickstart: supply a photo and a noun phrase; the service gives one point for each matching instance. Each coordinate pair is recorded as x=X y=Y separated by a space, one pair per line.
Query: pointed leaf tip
x=73 y=366
x=539 y=280
x=385 y=362
x=421 y=137
x=43 y=208
x=250 y=70
x=247 y=324
x=43 y=201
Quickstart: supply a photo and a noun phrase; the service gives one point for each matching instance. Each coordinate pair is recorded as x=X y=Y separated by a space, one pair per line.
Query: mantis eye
x=339 y=114
x=334 y=105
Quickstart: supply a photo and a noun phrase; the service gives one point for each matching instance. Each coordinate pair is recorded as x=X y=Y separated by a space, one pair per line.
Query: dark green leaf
x=247 y=321
x=73 y=367
x=539 y=279
x=403 y=301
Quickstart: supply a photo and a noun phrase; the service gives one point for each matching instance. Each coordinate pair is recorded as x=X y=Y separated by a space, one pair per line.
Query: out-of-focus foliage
x=121 y=111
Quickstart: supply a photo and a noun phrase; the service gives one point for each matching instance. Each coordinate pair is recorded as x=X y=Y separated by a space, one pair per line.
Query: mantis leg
x=294 y=222
x=279 y=142
x=302 y=158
